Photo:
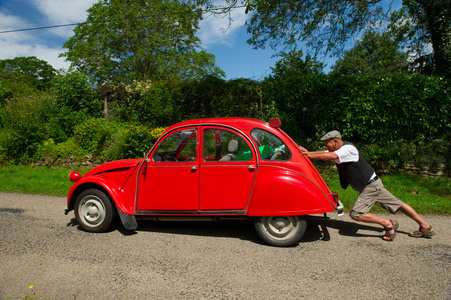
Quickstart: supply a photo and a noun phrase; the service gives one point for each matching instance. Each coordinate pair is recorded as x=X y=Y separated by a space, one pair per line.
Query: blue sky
x=233 y=54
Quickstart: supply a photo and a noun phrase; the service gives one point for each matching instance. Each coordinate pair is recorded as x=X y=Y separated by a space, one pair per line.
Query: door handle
x=251 y=168
x=193 y=169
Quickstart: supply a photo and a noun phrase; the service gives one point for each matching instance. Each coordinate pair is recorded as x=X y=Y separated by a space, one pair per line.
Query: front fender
x=114 y=191
x=283 y=192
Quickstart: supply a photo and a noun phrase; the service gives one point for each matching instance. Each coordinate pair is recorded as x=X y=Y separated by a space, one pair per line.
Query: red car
x=208 y=169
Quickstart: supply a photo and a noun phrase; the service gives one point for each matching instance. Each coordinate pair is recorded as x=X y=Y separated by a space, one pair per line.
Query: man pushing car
x=355 y=171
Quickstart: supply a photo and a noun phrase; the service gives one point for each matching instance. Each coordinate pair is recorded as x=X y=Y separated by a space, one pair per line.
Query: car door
x=169 y=181
x=228 y=168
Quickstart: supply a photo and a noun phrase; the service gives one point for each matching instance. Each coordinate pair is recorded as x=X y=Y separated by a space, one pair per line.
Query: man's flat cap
x=334 y=134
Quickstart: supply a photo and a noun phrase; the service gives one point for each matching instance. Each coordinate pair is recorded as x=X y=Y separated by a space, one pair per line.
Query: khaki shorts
x=375 y=193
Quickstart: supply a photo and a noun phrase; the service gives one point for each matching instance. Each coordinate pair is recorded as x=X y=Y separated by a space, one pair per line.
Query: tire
x=94 y=211
x=281 y=231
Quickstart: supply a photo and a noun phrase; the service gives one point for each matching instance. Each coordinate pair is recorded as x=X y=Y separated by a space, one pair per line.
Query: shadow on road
x=241 y=229
x=317 y=229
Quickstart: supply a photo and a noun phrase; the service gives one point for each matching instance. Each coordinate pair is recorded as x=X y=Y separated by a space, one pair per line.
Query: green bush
x=132 y=141
x=76 y=101
x=93 y=134
x=152 y=105
x=398 y=122
x=75 y=92
x=24 y=122
x=163 y=104
x=16 y=85
x=54 y=154
x=215 y=97
x=367 y=109
x=418 y=156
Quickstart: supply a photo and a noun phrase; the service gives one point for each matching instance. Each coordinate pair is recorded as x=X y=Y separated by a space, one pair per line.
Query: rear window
x=270 y=146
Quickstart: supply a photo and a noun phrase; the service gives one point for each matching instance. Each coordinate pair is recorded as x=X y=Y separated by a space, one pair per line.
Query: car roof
x=234 y=122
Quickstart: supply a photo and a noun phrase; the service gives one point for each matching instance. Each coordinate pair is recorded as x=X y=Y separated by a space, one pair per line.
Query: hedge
x=388 y=117
x=366 y=109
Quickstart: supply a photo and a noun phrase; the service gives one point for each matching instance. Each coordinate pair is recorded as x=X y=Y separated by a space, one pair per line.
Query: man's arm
x=320 y=155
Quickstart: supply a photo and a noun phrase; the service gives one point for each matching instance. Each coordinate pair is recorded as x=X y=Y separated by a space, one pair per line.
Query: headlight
x=74 y=176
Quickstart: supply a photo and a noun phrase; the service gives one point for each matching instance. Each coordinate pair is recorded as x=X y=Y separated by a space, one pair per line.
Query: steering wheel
x=279 y=155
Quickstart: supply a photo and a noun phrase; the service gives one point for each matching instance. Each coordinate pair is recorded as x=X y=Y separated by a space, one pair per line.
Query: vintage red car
x=208 y=169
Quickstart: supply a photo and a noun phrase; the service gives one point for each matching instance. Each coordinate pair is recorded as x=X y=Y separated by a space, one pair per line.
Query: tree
x=40 y=72
x=76 y=101
x=124 y=40
x=438 y=16
x=292 y=63
x=327 y=26
x=416 y=28
x=374 y=54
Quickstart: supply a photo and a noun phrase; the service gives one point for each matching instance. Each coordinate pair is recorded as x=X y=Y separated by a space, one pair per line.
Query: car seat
x=232 y=148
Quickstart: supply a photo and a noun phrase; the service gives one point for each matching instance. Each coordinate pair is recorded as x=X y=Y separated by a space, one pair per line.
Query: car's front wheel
x=284 y=231
x=94 y=210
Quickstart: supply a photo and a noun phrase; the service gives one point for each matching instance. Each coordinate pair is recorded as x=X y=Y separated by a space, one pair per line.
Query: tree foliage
x=125 y=40
x=329 y=26
x=16 y=85
x=24 y=127
x=324 y=25
x=375 y=54
x=75 y=101
x=422 y=23
x=39 y=71
x=368 y=109
x=292 y=63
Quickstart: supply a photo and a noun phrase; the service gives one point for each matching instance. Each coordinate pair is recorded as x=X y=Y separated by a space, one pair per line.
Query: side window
x=181 y=146
x=270 y=146
x=224 y=145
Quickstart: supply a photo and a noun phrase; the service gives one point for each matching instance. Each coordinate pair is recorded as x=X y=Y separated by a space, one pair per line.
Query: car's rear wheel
x=94 y=210
x=283 y=231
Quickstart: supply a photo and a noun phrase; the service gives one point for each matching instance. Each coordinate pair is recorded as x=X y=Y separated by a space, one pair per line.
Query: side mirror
x=146 y=158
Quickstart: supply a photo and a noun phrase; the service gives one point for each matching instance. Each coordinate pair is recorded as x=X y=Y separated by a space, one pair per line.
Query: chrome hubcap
x=280 y=227
x=92 y=211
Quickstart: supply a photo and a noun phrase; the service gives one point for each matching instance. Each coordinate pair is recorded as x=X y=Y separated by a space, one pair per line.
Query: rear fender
x=283 y=192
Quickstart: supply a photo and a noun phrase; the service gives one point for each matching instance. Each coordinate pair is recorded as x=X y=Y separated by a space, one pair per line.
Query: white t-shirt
x=347 y=153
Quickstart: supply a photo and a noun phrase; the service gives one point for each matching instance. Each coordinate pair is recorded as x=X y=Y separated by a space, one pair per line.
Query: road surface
x=337 y=258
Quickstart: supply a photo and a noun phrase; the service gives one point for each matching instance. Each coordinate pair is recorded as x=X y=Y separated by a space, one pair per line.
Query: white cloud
x=11 y=22
x=51 y=56
x=37 y=43
x=14 y=44
x=9 y=50
x=61 y=12
x=213 y=30
x=218 y=30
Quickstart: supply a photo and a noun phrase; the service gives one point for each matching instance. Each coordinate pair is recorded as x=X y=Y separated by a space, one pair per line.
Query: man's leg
x=411 y=213
x=386 y=200
x=370 y=218
x=366 y=199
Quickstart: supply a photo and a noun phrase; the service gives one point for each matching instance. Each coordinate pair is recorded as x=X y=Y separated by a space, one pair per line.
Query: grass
x=36 y=180
x=427 y=195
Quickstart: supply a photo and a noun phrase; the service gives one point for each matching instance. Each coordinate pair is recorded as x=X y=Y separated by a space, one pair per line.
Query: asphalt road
x=337 y=258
